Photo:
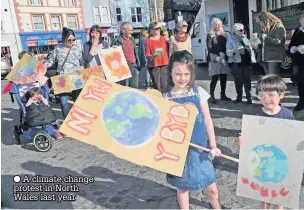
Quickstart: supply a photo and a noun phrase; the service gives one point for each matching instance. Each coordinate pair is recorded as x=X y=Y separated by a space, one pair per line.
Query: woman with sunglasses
x=273 y=42
x=70 y=59
x=93 y=47
x=157 y=56
x=240 y=58
x=180 y=40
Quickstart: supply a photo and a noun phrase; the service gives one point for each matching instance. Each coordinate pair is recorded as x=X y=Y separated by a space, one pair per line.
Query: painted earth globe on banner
x=130 y=118
x=268 y=163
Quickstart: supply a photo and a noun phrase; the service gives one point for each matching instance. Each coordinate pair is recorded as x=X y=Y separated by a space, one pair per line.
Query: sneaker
x=57 y=135
x=237 y=101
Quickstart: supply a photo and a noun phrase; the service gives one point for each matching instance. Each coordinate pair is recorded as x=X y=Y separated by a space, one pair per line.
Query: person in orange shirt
x=157 y=56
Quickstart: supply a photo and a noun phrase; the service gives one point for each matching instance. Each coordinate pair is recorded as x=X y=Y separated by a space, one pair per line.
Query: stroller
x=40 y=135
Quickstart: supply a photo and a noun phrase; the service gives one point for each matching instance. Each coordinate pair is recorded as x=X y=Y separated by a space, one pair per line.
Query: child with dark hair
x=39 y=113
x=198 y=173
x=270 y=89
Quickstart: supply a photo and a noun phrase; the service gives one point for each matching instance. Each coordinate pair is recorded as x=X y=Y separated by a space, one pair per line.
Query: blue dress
x=198 y=172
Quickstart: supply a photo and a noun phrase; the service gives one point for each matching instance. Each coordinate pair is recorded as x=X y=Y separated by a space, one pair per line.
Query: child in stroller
x=36 y=117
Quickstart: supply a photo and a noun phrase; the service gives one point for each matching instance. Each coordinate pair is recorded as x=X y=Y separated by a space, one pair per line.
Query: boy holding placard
x=270 y=90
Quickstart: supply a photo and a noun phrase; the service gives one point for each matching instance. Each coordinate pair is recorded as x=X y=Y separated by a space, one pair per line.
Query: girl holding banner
x=198 y=173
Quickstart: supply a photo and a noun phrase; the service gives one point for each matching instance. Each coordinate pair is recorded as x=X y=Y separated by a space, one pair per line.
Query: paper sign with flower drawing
x=68 y=82
x=28 y=70
x=271 y=160
x=114 y=64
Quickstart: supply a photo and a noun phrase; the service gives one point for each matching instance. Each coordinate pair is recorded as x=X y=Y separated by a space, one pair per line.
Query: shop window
x=38 y=22
x=72 y=21
x=136 y=14
x=118 y=14
x=101 y=14
x=35 y=2
x=56 y=22
x=69 y=3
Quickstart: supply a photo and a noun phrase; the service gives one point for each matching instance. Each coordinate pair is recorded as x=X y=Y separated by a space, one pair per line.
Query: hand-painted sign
x=270 y=167
x=66 y=83
x=134 y=125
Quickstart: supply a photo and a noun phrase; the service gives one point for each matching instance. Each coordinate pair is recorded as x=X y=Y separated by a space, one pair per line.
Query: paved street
x=120 y=184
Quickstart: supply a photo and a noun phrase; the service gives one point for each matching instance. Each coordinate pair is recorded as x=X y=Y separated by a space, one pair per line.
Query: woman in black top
x=296 y=45
x=218 y=66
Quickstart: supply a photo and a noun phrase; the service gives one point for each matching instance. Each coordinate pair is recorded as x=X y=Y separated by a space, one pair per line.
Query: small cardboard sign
x=66 y=83
x=114 y=64
x=134 y=125
x=271 y=160
x=28 y=70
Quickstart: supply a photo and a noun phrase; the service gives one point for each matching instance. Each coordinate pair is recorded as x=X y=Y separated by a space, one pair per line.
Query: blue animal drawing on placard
x=268 y=163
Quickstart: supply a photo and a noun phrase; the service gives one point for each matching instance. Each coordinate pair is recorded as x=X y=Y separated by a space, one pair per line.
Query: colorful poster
x=114 y=64
x=66 y=83
x=134 y=125
x=271 y=160
x=28 y=70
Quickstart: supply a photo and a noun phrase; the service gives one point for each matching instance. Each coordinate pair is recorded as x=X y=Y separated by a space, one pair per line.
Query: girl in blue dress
x=198 y=171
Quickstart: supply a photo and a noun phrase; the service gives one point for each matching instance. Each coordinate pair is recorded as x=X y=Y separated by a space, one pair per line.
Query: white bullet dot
x=17 y=179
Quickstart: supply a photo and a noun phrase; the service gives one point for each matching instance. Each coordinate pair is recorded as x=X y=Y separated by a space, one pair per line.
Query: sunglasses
x=157 y=28
x=241 y=30
x=71 y=40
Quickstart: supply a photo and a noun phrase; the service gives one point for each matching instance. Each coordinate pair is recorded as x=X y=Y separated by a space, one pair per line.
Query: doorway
x=241 y=13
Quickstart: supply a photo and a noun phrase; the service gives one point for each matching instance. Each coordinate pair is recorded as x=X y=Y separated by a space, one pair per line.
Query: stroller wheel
x=43 y=141
x=17 y=134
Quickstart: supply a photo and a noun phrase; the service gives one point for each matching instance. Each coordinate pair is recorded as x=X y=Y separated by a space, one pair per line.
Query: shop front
x=41 y=43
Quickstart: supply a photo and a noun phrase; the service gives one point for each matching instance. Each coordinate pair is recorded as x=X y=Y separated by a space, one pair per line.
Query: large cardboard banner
x=28 y=70
x=134 y=125
x=114 y=64
x=271 y=160
x=66 y=83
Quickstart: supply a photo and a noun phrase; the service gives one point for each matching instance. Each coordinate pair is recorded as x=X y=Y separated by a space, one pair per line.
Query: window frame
x=101 y=14
x=43 y=22
x=69 y=5
x=76 y=18
x=60 y=21
x=136 y=14
x=30 y=4
x=118 y=14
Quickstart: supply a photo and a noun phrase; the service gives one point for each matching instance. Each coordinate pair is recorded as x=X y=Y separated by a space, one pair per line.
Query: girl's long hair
x=181 y=57
x=98 y=29
x=268 y=20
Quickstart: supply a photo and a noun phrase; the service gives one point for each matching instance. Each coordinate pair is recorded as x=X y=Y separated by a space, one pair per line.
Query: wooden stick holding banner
x=208 y=150
x=198 y=147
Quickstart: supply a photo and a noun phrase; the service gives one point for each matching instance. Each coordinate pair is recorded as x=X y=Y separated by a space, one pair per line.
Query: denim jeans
x=31 y=132
x=65 y=106
x=271 y=67
x=133 y=81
